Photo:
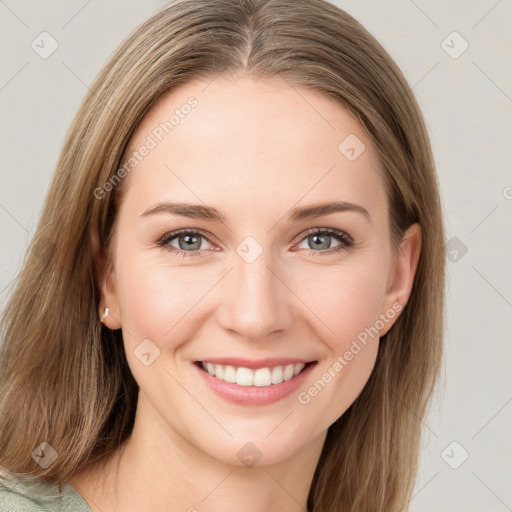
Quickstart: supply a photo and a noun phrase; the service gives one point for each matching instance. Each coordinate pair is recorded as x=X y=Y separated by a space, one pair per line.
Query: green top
x=40 y=496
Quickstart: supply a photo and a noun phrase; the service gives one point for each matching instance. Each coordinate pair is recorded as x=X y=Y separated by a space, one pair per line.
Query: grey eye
x=321 y=241
x=188 y=241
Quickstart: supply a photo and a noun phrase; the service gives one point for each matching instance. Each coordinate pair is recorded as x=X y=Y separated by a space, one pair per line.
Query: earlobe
x=404 y=271
x=108 y=310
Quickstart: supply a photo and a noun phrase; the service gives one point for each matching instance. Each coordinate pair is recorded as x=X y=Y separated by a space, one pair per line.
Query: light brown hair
x=64 y=378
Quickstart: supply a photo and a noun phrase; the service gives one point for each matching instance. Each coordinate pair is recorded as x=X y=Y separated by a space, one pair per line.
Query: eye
x=189 y=242
x=321 y=239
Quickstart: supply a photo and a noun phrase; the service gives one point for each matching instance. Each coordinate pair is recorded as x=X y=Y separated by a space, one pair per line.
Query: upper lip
x=255 y=363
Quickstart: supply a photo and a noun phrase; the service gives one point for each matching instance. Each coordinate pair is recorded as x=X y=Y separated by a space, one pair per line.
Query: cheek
x=345 y=300
x=348 y=307
x=162 y=302
x=152 y=299
x=352 y=350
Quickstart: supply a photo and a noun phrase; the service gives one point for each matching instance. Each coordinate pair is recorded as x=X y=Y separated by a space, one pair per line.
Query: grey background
x=467 y=103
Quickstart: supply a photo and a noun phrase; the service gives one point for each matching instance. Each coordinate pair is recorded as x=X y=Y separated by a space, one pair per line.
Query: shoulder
x=40 y=496
x=12 y=501
x=17 y=496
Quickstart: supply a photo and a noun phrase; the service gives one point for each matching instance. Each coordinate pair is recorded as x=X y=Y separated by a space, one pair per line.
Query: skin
x=254 y=150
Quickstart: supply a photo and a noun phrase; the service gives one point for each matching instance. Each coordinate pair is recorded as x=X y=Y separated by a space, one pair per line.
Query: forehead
x=260 y=139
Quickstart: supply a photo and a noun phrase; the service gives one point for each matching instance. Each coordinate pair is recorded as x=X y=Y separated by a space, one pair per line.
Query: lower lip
x=254 y=395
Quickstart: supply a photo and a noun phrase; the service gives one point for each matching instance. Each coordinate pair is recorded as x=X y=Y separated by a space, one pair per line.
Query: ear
x=105 y=278
x=402 y=275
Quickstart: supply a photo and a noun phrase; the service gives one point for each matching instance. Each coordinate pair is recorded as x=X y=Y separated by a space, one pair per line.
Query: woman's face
x=257 y=289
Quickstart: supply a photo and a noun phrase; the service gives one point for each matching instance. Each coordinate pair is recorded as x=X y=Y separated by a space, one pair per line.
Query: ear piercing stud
x=106 y=312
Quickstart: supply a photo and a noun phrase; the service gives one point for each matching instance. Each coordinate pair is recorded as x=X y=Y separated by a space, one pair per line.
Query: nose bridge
x=258 y=302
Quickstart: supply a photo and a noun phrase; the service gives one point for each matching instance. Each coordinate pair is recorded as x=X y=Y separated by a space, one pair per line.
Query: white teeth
x=219 y=371
x=246 y=377
x=298 y=368
x=262 y=377
x=277 y=375
x=288 y=372
x=229 y=374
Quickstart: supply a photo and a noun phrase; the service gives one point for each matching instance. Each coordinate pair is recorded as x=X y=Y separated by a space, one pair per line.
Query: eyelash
x=344 y=239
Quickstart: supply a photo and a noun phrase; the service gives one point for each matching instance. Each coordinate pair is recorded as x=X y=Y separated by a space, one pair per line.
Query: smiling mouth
x=261 y=377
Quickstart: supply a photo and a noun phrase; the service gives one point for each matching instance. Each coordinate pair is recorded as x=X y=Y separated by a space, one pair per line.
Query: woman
x=234 y=295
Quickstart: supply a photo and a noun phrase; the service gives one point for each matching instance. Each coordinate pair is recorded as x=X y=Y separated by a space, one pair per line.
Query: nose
x=256 y=302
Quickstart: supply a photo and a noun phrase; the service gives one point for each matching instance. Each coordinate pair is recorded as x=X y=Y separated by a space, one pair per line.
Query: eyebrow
x=197 y=211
